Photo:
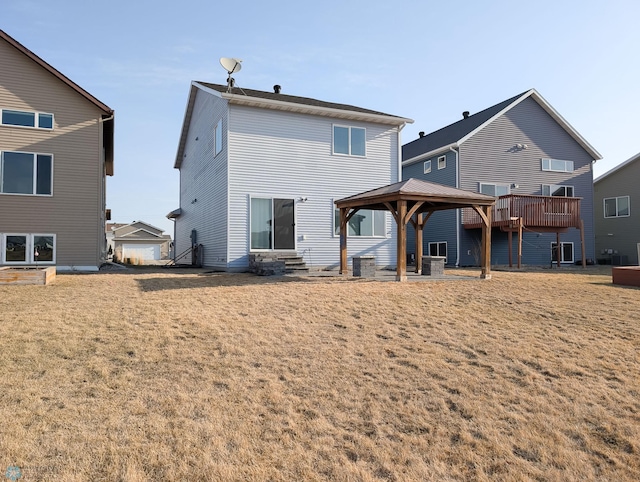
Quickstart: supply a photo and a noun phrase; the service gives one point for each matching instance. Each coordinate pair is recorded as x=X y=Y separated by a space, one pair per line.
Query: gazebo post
x=343 y=241
x=419 y=226
x=486 y=243
x=401 y=271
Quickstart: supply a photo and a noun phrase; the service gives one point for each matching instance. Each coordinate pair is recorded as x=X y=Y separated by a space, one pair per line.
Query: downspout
x=457 y=210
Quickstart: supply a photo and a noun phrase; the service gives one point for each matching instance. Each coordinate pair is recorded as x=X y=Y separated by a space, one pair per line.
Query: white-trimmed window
x=350 y=141
x=217 y=135
x=28 y=248
x=491 y=189
x=427 y=167
x=438 y=249
x=19 y=118
x=365 y=223
x=616 y=207
x=557 y=165
x=442 y=162
x=557 y=190
x=26 y=173
x=566 y=252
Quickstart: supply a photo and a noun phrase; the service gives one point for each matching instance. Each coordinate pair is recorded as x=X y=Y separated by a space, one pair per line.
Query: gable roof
x=56 y=73
x=631 y=160
x=453 y=135
x=282 y=102
x=416 y=190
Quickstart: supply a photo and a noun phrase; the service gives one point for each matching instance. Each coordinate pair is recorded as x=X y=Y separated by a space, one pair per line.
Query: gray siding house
x=526 y=154
x=260 y=171
x=56 y=149
x=617 y=214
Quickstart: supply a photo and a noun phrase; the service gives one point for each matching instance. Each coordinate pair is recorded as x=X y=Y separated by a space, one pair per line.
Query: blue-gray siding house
x=526 y=154
x=260 y=171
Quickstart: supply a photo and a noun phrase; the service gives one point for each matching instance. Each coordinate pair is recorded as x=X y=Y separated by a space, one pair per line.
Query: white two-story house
x=260 y=171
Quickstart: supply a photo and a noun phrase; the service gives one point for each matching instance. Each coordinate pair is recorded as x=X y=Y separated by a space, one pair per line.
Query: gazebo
x=414 y=201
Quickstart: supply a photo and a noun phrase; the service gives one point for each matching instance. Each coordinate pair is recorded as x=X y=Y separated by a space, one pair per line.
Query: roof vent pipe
x=465 y=114
x=421 y=133
x=276 y=88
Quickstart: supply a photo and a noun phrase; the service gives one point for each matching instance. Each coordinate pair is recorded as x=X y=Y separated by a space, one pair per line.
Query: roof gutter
x=429 y=154
x=314 y=109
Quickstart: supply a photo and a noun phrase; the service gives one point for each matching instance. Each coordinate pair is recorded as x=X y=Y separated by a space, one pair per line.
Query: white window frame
x=34 y=184
x=427 y=166
x=495 y=185
x=333 y=143
x=217 y=138
x=552 y=187
x=604 y=207
x=36 y=119
x=336 y=225
x=442 y=162
x=562 y=245
x=438 y=244
x=30 y=258
x=548 y=165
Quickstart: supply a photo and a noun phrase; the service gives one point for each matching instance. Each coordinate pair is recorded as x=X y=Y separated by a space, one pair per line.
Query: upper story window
x=616 y=207
x=39 y=120
x=495 y=189
x=557 y=165
x=442 y=162
x=427 y=167
x=218 y=137
x=349 y=140
x=557 y=190
x=26 y=173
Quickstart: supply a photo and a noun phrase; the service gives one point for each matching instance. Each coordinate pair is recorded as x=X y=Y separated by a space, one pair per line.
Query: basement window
x=566 y=252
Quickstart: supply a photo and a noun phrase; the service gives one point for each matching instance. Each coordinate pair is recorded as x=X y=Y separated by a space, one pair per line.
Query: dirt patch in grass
x=169 y=375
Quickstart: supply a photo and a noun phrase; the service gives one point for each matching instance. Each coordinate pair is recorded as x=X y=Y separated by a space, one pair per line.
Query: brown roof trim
x=56 y=73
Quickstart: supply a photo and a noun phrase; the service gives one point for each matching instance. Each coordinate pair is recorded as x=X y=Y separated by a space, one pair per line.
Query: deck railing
x=535 y=211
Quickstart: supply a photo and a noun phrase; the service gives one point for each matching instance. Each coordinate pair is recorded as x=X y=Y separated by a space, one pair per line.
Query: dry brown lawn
x=170 y=375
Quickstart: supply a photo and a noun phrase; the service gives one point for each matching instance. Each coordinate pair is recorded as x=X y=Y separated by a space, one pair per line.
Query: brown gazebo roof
x=414 y=197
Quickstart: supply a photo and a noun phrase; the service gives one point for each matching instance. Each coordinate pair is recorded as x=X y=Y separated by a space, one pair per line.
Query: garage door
x=141 y=251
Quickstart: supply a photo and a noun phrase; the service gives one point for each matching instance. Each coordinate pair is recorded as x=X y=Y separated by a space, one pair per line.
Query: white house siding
x=285 y=155
x=203 y=184
x=490 y=156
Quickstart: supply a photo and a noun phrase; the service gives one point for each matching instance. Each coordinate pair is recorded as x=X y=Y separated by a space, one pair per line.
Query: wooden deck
x=540 y=212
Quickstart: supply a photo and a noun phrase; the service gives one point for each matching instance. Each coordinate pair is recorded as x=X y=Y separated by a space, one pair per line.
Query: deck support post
x=558 y=249
x=486 y=243
x=584 y=258
x=520 y=223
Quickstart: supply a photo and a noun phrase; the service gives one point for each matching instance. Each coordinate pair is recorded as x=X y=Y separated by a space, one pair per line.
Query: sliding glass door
x=272 y=224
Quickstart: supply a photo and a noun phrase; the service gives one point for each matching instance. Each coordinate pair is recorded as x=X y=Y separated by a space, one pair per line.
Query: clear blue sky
x=423 y=59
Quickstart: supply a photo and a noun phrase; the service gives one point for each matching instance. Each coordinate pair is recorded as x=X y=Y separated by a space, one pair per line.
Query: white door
x=141 y=251
x=638 y=254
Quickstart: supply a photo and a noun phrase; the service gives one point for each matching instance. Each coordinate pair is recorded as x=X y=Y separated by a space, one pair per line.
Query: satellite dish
x=231 y=65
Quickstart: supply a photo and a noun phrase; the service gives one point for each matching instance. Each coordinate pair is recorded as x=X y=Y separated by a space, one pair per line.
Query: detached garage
x=138 y=242
x=141 y=251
